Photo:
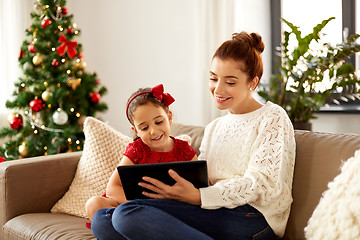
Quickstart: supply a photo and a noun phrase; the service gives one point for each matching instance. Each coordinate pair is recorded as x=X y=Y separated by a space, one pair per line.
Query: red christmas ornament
x=45 y=22
x=31 y=48
x=54 y=63
x=95 y=97
x=64 y=11
x=2 y=159
x=97 y=81
x=16 y=121
x=21 y=54
x=80 y=55
x=70 y=31
x=36 y=105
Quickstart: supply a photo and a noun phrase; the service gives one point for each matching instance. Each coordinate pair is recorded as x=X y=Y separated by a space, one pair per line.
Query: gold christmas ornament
x=74 y=82
x=80 y=65
x=23 y=150
x=45 y=95
x=38 y=59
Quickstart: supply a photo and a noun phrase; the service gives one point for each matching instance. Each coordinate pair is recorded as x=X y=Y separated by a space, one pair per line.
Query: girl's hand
x=182 y=190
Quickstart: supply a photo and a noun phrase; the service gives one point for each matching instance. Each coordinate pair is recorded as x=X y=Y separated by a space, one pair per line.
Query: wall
x=132 y=44
x=136 y=43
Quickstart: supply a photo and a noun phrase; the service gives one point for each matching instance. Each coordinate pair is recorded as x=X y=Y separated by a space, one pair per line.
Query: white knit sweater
x=251 y=161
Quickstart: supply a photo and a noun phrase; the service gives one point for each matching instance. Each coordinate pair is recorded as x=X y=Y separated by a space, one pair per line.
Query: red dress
x=139 y=153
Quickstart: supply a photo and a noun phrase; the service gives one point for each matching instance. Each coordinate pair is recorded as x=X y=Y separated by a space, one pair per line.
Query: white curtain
x=216 y=24
x=14 y=19
x=217 y=21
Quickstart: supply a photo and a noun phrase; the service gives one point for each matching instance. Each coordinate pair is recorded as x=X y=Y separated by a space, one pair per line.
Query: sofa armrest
x=34 y=184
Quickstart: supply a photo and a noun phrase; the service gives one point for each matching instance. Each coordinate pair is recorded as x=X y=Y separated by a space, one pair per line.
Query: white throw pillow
x=337 y=215
x=103 y=149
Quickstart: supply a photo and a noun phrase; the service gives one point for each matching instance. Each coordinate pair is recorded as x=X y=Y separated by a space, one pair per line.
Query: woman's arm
x=182 y=190
x=114 y=187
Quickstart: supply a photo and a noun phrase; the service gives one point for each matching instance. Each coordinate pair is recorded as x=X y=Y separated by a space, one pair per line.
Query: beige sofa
x=30 y=187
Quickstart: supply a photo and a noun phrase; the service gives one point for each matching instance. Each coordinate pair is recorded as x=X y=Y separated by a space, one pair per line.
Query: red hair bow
x=158 y=92
x=67 y=45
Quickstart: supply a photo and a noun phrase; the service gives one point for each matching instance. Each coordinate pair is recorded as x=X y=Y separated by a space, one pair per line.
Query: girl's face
x=230 y=86
x=152 y=125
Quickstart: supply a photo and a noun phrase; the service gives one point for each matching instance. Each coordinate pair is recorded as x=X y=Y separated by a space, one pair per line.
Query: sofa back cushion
x=319 y=157
x=196 y=134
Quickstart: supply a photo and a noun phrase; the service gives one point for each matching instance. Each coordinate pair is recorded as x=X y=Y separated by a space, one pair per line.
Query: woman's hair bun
x=257 y=42
x=253 y=39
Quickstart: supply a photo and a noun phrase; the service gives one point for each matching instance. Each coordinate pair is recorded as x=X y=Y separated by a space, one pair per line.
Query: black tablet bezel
x=131 y=175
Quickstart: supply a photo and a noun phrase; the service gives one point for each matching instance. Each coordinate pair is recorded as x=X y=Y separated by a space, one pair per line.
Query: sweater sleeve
x=268 y=177
x=205 y=141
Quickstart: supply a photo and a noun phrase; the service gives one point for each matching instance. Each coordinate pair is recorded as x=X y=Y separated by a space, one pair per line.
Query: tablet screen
x=130 y=175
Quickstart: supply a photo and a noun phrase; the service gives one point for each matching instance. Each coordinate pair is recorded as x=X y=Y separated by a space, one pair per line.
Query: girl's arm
x=114 y=187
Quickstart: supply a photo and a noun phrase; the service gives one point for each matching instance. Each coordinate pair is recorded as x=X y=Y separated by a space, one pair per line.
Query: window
x=345 y=12
x=316 y=11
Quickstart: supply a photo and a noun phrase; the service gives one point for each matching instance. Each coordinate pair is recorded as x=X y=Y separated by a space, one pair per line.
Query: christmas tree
x=55 y=94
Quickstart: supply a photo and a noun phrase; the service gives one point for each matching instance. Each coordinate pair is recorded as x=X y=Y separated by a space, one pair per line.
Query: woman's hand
x=182 y=190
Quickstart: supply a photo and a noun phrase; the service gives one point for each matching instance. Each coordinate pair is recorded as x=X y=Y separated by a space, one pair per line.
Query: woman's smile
x=221 y=99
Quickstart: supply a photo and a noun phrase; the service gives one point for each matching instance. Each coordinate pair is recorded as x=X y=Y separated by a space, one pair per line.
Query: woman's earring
x=250 y=89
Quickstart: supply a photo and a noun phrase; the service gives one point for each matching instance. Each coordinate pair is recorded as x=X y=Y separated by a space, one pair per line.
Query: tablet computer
x=130 y=175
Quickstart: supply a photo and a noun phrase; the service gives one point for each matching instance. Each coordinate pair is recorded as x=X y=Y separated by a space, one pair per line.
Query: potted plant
x=300 y=85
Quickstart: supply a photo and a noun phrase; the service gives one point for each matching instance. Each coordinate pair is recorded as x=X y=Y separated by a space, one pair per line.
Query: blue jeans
x=169 y=219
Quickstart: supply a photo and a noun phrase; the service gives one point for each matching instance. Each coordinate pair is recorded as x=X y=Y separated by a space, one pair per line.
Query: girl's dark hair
x=245 y=48
x=142 y=99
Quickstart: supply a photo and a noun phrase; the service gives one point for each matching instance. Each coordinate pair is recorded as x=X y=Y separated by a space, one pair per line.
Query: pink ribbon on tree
x=68 y=46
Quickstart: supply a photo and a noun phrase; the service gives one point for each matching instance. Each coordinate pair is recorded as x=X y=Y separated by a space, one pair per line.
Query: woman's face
x=230 y=86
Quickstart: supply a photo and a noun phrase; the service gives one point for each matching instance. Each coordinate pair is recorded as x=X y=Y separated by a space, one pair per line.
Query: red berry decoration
x=95 y=97
x=70 y=31
x=54 y=63
x=31 y=48
x=45 y=22
x=97 y=81
x=64 y=11
x=16 y=121
x=36 y=105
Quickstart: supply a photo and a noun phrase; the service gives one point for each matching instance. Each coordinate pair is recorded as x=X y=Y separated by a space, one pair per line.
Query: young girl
x=250 y=154
x=148 y=112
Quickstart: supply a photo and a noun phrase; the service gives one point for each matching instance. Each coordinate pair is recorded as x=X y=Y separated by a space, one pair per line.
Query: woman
x=250 y=154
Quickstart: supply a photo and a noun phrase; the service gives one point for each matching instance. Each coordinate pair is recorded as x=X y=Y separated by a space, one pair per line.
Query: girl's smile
x=152 y=125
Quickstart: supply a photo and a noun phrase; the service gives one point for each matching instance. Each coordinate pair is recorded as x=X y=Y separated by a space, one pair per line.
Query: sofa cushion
x=337 y=215
x=196 y=134
x=318 y=160
x=103 y=149
x=47 y=226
